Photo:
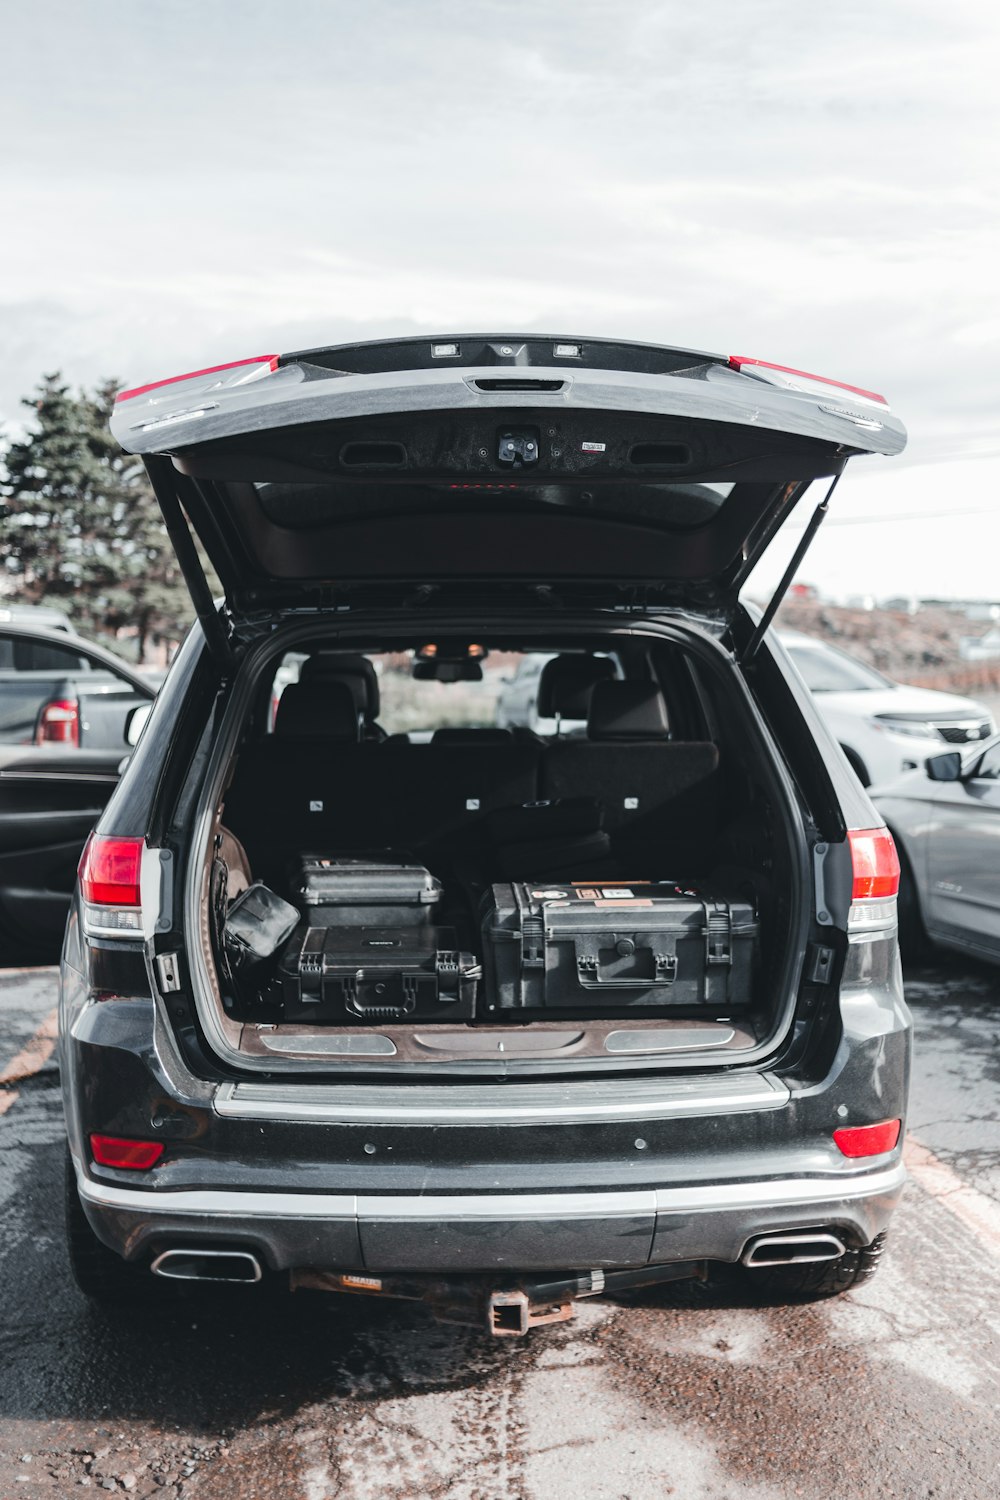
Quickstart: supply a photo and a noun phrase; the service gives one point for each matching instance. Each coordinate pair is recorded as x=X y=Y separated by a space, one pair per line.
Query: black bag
x=616 y=947
x=256 y=925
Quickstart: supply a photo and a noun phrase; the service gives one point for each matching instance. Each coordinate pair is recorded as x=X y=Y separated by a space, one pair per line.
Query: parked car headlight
x=914 y=729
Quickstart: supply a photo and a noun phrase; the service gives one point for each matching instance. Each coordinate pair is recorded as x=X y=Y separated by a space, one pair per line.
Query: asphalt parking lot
x=890 y=1391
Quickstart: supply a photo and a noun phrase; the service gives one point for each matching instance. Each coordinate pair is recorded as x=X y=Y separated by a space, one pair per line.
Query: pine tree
x=79 y=525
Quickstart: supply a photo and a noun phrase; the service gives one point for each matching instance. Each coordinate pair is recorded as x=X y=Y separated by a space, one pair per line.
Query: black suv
x=363 y=992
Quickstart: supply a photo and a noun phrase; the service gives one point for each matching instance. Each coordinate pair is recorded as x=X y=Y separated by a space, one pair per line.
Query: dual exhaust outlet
x=507 y=1311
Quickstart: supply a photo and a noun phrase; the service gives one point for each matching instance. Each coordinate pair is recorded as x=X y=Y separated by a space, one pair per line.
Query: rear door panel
x=49 y=802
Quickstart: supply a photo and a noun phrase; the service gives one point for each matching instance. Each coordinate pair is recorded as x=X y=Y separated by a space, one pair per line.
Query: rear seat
x=310 y=784
x=661 y=796
x=440 y=794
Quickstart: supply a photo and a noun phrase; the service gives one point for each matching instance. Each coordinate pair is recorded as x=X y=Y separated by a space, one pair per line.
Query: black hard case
x=649 y=945
x=351 y=974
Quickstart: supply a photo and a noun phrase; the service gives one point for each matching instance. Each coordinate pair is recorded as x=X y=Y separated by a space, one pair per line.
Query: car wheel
x=914 y=944
x=819 y=1279
x=99 y=1272
x=857 y=765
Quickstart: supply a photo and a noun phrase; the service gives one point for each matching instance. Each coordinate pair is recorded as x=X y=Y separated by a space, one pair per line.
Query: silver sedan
x=946 y=822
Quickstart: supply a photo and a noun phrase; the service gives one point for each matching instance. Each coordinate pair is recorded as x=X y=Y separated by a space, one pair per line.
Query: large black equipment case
x=364 y=891
x=351 y=974
x=649 y=944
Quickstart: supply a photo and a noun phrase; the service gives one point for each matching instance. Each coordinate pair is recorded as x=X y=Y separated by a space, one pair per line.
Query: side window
x=989 y=767
x=39 y=656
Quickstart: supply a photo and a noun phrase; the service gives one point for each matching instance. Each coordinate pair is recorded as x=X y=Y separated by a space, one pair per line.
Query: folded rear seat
x=660 y=796
x=440 y=794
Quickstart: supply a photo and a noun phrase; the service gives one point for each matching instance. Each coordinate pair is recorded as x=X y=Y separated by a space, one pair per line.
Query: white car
x=884 y=727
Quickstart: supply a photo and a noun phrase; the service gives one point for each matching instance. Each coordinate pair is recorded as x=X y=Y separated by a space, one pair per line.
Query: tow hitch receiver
x=511 y=1314
x=507 y=1311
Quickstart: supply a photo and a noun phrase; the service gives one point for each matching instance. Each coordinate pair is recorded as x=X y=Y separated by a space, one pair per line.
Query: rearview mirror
x=136 y=723
x=946 y=767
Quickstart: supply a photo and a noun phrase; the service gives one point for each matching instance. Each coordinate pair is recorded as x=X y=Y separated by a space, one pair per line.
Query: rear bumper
x=483 y=1232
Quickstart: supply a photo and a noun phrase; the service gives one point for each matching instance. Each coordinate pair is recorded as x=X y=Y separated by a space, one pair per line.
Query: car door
x=50 y=799
x=52 y=792
x=963 y=884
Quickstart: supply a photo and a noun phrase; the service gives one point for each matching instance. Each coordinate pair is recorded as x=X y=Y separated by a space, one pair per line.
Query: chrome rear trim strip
x=789 y=1192
x=577 y=1102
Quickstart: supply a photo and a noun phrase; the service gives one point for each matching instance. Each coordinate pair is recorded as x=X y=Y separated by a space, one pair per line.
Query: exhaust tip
x=792 y=1249
x=190 y=1263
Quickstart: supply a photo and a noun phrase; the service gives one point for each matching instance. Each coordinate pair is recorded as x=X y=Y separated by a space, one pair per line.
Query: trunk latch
x=518 y=447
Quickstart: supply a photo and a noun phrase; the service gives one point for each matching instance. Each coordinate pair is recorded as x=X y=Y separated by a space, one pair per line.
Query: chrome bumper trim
x=486 y=1207
x=583 y=1100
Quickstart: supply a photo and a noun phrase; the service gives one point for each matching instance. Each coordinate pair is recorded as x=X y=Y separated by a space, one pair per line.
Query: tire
x=821 y=1279
x=99 y=1273
x=857 y=765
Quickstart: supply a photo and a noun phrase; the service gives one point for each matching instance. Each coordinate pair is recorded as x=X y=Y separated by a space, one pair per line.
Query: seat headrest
x=459 y=735
x=566 y=683
x=350 y=667
x=627 y=711
x=318 y=710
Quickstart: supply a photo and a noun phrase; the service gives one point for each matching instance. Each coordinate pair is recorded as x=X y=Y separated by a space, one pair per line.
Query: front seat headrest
x=350 y=667
x=566 y=683
x=317 y=711
x=627 y=711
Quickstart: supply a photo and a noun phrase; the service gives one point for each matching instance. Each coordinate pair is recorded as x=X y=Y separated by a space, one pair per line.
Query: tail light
x=122 y=1151
x=110 y=872
x=875 y=886
x=59 y=723
x=868 y=1140
x=257 y=364
x=800 y=380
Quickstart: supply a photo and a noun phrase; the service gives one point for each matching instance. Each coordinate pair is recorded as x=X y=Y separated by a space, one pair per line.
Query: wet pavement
x=890 y=1391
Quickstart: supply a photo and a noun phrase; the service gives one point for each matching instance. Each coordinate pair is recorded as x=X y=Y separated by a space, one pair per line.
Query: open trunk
x=495 y=492
x=481 y=899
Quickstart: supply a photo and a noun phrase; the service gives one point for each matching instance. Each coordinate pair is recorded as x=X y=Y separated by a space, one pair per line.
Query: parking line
x=33 y=1055
x=974 y=1209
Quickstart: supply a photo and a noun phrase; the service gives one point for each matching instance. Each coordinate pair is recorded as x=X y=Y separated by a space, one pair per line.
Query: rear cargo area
x=608 y=889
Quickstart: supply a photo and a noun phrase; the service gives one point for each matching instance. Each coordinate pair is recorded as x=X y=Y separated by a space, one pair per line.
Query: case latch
x=718 y=936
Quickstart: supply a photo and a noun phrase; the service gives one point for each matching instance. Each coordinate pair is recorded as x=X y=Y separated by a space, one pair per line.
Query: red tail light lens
x=875 y=864
x=109 y=871
x=868 y=1140
x=117 y=1151
x=59 y=723
x=271 y=360
x=742 y=361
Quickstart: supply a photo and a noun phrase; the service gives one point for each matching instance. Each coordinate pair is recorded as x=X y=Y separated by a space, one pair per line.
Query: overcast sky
x=189 y=181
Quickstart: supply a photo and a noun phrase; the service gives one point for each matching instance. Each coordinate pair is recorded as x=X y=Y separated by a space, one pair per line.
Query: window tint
x=24 y=654
x=827 y=670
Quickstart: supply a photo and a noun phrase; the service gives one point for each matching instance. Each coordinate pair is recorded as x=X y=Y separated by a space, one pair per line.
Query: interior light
x=566 y=351
x=445 y=351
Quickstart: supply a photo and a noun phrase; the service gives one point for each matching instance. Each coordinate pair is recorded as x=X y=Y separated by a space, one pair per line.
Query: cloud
x=190 y=183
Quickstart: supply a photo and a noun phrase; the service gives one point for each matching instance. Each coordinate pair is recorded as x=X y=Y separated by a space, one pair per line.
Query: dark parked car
x=69 y=713
x=946 y=822
x=482 y=1016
